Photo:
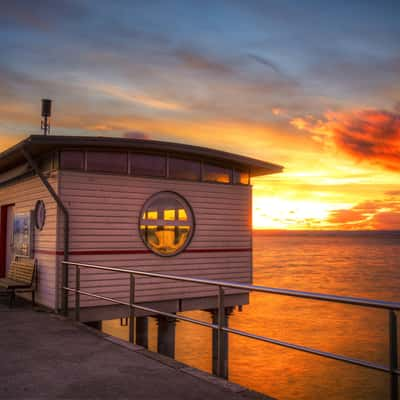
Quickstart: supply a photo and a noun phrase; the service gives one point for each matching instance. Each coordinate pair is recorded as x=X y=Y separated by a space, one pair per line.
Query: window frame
x=239 y=171
x=129 y=171
x=208 y=164
x=191 y=221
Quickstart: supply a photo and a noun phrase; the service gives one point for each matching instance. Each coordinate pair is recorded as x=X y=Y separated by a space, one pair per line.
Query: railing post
x=77 y=294
x=220 y=335
x=394 y=386
x=131 y=309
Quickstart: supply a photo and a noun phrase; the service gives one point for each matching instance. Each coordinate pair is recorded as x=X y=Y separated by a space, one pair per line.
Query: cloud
x=8 y=139
x=11 y=80
x=345 y=216
x=280 y=112
x=40 y=15
x=387 y=220
x=136 y=135
x=393 y=193
x=372 y=206
x=267 y=63
x=372 y=135
x=373 y=214
x=134 y=96
x=196 y=61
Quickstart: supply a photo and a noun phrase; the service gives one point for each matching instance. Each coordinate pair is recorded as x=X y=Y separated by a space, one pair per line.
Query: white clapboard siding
x=24 y=194
x=104 y=214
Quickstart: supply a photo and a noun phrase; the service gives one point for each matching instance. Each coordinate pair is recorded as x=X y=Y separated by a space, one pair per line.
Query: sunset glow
x=288 y=85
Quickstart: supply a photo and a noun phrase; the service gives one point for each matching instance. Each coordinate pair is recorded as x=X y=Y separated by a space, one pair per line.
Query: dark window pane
x=148 y=165
x=241 y=177
x=184 y=169
x=72 y=160
x=102 y=161
x=215 y=173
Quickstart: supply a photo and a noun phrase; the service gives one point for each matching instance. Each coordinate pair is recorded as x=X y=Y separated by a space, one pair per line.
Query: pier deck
x=44 y=356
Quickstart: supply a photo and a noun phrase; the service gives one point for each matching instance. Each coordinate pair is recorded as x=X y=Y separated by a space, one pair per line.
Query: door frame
x=3 y=237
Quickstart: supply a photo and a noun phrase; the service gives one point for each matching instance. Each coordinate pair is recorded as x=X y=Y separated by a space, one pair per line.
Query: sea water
x=357 y=264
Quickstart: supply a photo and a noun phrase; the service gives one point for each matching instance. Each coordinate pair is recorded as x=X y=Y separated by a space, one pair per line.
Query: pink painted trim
x=119 y=252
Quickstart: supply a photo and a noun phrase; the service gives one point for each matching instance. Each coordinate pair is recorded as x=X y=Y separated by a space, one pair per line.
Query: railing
x=391 y=307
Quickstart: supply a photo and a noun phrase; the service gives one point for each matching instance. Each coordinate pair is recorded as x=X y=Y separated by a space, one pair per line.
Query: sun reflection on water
x=353 y=266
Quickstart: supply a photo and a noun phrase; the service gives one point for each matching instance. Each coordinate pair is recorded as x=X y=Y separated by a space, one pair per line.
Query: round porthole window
x=40 y=214
x=166 y=223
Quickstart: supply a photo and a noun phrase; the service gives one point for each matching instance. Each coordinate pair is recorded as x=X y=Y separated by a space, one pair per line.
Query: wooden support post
x=225 y=344
x=166 y=336
x=142 y=329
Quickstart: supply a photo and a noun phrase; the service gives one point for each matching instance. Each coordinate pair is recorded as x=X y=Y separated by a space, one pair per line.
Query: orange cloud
x=378 y=214
x=136 y=97
x=372 y=135
x=387 y=221
x=8 y=139
x=346 y=216
x=393 y=193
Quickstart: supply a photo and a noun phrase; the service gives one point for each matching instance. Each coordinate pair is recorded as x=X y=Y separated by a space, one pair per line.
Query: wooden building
x=128 y=203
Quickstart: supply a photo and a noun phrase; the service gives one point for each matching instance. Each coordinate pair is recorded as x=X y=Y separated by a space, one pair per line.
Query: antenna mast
x=46 y=113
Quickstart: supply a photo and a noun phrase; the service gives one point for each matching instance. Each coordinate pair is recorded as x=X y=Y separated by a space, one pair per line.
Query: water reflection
x=353 y=266
x=166 y=223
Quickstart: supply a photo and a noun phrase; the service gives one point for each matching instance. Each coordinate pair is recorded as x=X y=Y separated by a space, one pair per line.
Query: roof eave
x=257 y=167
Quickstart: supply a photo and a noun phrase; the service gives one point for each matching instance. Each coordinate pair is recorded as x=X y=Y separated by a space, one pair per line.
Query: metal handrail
x=391 y=307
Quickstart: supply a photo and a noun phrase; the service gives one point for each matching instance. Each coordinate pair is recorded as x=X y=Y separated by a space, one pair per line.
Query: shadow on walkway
x=45 y=356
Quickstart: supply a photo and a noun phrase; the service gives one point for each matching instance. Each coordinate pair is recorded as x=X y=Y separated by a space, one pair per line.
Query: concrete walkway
x=44 y=356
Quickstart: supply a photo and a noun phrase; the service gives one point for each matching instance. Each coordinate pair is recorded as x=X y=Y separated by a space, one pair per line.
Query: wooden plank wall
x=24 y=195
x=104 y=213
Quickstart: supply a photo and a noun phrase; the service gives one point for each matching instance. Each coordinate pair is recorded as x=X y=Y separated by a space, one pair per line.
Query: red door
x=5 y=229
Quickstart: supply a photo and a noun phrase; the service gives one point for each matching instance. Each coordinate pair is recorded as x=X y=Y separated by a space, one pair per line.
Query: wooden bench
x=20 y=277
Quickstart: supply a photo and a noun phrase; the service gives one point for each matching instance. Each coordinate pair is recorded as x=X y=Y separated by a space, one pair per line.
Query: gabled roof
x=39 y=145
